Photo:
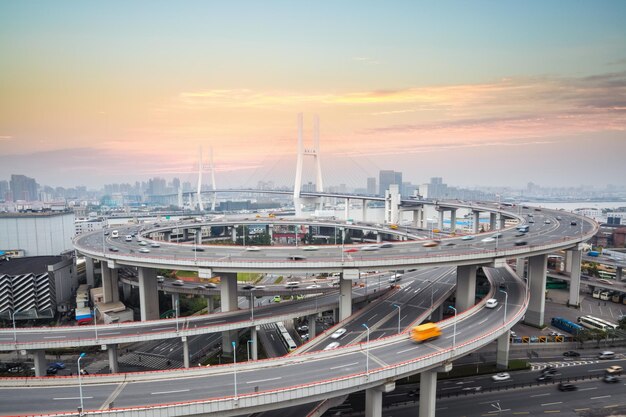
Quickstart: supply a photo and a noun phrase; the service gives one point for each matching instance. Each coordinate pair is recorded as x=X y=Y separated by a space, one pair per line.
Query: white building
x=89 y=225
x=37 y=234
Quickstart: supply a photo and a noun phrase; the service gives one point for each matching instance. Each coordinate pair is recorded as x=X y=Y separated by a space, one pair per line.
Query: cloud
x=6 y=137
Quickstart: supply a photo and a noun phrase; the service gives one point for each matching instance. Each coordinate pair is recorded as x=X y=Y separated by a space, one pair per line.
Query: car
x=112 y=249
x=607 y=354
x=573 y=223
x=303 y=328
x=210 y=285
x=338 y=333
x=195 y=249
x=144 y=250
x=253 y=249
x=547 y=221
x=488 y=239
x=331 y=346
x=247 y=287
x=351 y=250
x=520 y=234
x=558 y=217
x=491 y=303
x=549 y=370
x=277 y=299
x=468 y=237
x=430 y=244
x=604 y=281
x=450 y=244
x=611 y=378
x=313 y=286
x=143 y=243
x=178 y=283
x=259 y=287
x=386 y=245
x=51 y=370
x=566 y=386
x=545 y=377
x=520 y=243
x=309 y=248
x=16 y=369
x=614 y=370
x=155 y=245
x=503 y=376
x=571 y=354
x=495 y=235
x=296 y=258
x=370 y=247
x=57 y=365
x=531 y=221
x=502 y=286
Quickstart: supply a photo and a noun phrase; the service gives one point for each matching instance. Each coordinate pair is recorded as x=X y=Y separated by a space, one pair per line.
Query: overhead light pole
x=367 y=351
x=506 y=298
x=95 y=320
x=248 y=347
x=80 y=385
x=454 y=329
x=235 y=366
x=12 y=315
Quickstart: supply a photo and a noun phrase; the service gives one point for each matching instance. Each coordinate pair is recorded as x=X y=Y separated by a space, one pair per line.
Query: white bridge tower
x=315 y=153
x=211 y=167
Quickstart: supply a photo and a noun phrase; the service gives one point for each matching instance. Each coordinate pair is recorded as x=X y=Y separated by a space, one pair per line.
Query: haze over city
x=487 y=93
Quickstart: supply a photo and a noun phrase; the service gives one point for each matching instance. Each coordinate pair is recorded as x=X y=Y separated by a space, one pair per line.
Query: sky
x=497 y=93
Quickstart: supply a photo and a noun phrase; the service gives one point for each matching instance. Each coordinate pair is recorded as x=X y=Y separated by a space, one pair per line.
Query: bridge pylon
x=298 y=201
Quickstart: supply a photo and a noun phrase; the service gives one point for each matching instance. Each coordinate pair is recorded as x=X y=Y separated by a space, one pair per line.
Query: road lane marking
x=264 y=380
x=54 y=337
x=597 y=398
x=554 y=403
x=540 y=395
x=71 y=398
x=521 y=412
x=587 y=389
x=481 y=322
x=611 y=406
x=106 y=334
x=342 y=366
x=407 y=350
x=163 y=328
x=169 y=392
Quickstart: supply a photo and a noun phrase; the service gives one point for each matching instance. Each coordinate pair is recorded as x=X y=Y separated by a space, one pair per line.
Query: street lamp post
x=399 y=313
x=80 y=385
x=235 y=367
x=506 y=298
x=248 y=347
x=12 y=315
x=454 y=329
x=176 y=312
x=367 y=351
x=252 y=304
x=95 y=320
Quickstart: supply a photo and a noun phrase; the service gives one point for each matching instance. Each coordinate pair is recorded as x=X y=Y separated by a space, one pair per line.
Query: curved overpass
x=324 y=374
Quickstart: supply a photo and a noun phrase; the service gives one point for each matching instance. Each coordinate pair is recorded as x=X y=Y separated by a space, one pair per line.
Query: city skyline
x=487 y=94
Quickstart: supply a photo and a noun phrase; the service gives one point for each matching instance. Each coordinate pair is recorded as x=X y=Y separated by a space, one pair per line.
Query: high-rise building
x=4 y=190
x=371 y=186
x=386 y=178
x=23 y=188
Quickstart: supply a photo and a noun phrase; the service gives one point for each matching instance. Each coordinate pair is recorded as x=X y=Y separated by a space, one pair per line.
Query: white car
x=155 y=245
x=143 y=243
x=144 y=250
x=491 y=303
x=310 y=248
x=253 y=249
x=488 y=239
x=370 y=247
x=338 y=333
x=468 y=237
x=501 y=376
x=313 y=286
x=332 y=345
x=547 y=222
x=178 y=282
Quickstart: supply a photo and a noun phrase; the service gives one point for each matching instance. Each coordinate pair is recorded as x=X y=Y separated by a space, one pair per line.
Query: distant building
x=371 y=186
x=89 y=225
x=386 y=178
x=23 y=188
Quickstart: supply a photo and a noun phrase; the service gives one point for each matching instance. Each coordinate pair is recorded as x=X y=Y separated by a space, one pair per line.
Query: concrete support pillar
x=502 y=354
x=428 y=393
x=90 y=271
x=347 y=209
x=568 y=261
x=465 y=287
x=108 y=282
x=126 y=289
x=113 y=364
x=176 y=303
x=437 y=314
x=40 y=362
x=185 y=234
x=379 y=238
x=519 y=267
x=210 y=304
x=345 y=293
x=198 y=236
x=452 y=220
x=537 y=286
x=440 y=222
x=416 y=218
x=115 y=289
x=373 y=402
x=476 y=222
x=574 y=285
x=618 y=273
x=312 y=326
x=185 y=351
x=228 y=297
x=234 y=233
x=148 y=294
x=271 y=232
x=364 y=211
x=167 y=236
x=492 y=221
x=254 y=349
x=502 y=221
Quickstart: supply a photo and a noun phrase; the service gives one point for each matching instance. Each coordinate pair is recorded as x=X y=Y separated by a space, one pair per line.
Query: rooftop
x=28 y=265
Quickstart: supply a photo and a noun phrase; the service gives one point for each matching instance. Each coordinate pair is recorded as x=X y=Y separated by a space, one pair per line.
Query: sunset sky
x=480 y=93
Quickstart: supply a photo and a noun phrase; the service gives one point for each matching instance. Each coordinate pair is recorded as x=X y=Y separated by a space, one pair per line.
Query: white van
x=607 y=354
x=292 y=284
x=129 y=238
x=115 y=234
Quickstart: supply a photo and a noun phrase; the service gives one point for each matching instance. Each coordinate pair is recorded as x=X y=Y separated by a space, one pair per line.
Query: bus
x=552 y=283
x=591 y=322
x=287 y=340
x=566 y=325
x=523 y=228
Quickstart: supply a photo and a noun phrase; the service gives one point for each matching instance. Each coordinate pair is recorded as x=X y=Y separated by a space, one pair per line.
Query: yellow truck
x=424 y=332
